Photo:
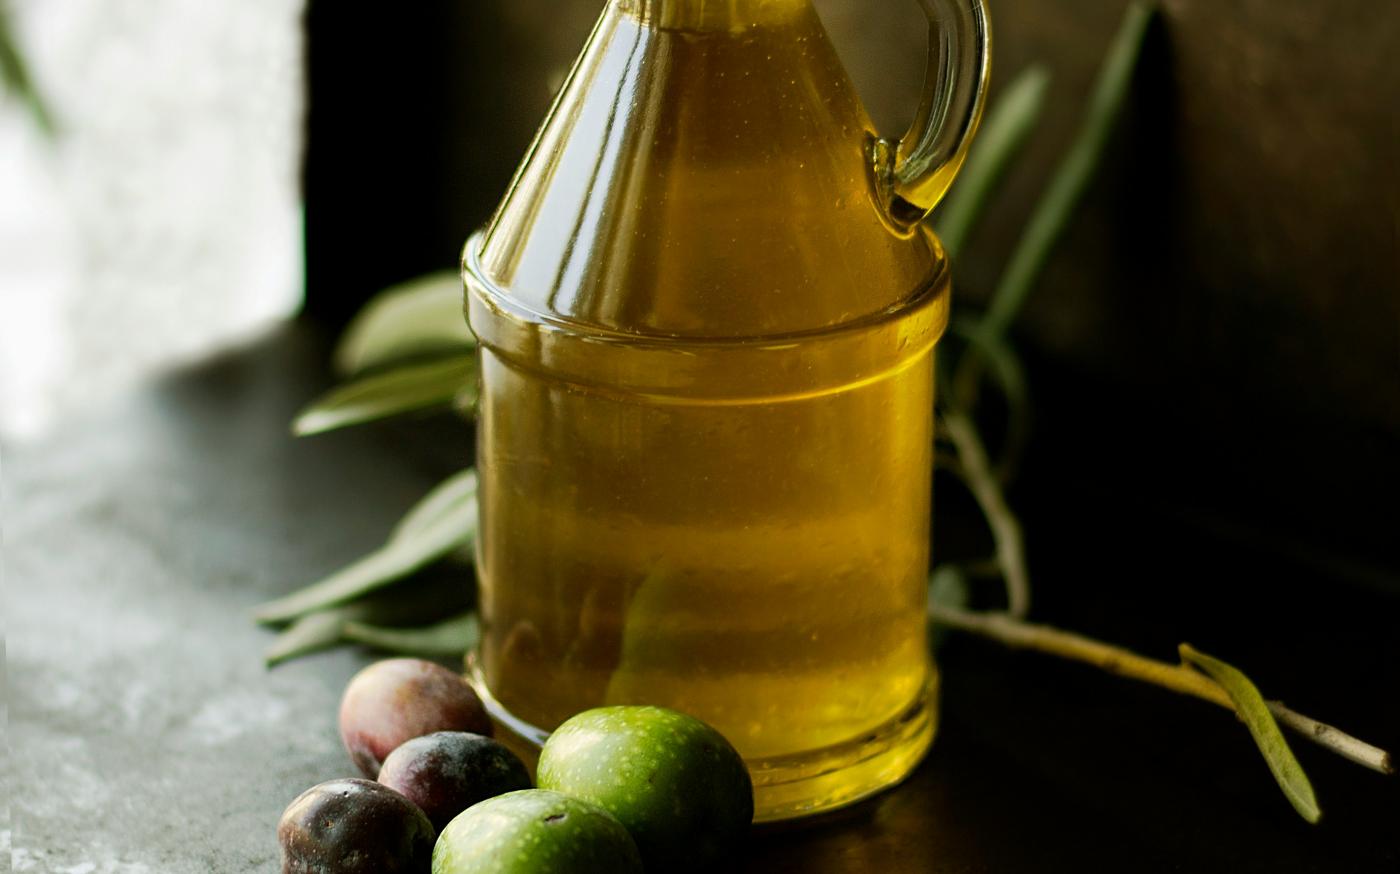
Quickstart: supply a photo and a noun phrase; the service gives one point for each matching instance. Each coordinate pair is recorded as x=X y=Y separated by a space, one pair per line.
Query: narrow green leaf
x=451 y=530
x=1254 y=711
x=443 y=499
x=413 y=602
x=1004 y=131
x=415 y=318
x=307 y=635
x=406 y=388
x=449 y=638
x=1056 y=205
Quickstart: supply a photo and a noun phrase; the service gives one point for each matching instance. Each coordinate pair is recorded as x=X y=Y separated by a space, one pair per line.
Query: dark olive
x=446 y=772
x=354 y=827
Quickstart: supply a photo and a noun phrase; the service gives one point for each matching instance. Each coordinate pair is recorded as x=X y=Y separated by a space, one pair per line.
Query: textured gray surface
x=146 y=735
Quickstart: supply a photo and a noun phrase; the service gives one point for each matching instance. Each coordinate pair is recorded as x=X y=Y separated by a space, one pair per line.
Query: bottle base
x=799 y=784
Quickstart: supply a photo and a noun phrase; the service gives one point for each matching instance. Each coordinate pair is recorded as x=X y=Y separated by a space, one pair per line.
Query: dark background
x=1218 y=335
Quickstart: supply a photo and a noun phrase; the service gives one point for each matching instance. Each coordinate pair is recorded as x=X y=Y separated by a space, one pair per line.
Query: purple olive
x=396 y=700
x=354 y=827
x=446 y=772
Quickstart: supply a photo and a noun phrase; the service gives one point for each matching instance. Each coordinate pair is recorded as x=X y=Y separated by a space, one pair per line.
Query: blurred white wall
x=164 y=219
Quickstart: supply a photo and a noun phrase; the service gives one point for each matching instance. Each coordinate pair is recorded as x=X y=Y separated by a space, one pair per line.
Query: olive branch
x=409 y=350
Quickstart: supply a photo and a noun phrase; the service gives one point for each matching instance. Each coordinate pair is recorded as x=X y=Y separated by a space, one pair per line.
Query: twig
x=1334 y=739
x=976 y=471
x=1178 y=678
x=984 y=351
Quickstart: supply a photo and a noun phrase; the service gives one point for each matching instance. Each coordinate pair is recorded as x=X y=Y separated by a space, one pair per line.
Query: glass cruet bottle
x=706 y=310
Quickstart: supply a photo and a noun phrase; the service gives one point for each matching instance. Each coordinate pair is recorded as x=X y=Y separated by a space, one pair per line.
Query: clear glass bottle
x=707 y=311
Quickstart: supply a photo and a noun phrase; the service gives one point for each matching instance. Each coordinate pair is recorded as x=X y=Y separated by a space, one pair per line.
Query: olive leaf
x=410 y=387
x=308 y=634
x=1055 y=207
x=445 y=496
x=419 y=317
x=449 y=638
x=1004 y=131
x=1254 y=712
x=412 y=602
x=450 y=526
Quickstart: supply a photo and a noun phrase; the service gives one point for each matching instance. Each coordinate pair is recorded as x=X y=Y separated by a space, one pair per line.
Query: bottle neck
x=712 y=14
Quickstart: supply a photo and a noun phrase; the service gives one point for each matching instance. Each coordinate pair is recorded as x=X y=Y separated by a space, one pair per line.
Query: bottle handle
x=914 y=173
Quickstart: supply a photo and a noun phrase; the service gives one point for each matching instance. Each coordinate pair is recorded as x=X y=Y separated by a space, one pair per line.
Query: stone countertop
x=146 y=736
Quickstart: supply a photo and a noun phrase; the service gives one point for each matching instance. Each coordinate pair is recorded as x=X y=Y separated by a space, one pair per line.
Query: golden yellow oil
x=705 y=426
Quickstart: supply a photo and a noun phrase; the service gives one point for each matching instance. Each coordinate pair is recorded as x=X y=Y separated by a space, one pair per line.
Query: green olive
x=678 y=786
x=532 y=831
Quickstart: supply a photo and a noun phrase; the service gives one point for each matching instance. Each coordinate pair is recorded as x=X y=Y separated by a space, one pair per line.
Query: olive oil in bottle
x=707 y=315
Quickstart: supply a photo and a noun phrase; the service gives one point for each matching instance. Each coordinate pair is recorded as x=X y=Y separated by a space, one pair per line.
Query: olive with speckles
x=533 y=831
x=446 y=772
x=354 y=827
x=677 y=785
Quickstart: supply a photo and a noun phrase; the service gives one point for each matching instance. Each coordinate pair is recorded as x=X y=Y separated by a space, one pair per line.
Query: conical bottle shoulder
x=703 y=184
